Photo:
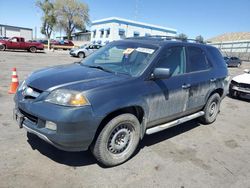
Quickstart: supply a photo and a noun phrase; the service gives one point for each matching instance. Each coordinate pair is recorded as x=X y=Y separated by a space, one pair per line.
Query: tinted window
x=216 y=56
x=174 y=59
x=197 y=60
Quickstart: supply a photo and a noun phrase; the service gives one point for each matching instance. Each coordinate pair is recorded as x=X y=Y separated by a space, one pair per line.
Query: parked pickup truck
x=20 y=44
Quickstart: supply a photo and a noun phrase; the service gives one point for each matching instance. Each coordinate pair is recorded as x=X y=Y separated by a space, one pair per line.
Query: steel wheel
x=213 y=109
x=119 y=139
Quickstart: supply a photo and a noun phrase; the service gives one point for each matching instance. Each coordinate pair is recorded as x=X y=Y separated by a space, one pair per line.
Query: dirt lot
x=190 y=155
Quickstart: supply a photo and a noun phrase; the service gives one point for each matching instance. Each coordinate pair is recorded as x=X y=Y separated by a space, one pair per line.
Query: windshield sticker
x=145 y=50
x=128 y=51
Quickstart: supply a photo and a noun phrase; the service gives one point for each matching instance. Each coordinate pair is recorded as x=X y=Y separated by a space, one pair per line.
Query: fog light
x=50 y=125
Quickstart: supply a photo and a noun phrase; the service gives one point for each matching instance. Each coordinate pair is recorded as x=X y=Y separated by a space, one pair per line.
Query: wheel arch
x=220 y=91
x=137 y=111
x=82 y=53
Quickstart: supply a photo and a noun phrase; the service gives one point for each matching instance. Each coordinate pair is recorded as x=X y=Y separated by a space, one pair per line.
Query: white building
x=109 y=29
x=14 y=31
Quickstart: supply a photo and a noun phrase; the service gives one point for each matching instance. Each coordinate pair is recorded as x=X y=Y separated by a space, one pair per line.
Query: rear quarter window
x=216 y=56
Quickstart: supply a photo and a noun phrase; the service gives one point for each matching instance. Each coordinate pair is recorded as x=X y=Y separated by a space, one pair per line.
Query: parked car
x=62 y=44
x=233 y=61
x=240 y=85
x=84 y=50
x=126 y=89
x=19 y=43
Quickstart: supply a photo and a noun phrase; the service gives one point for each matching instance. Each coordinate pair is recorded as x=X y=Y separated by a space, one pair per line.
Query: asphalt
x=189 y=155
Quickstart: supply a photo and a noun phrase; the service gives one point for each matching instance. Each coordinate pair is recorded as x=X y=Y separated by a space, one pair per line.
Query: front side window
x=174 y=59
x=13 y=40
x=197 y=60
x=122 y=57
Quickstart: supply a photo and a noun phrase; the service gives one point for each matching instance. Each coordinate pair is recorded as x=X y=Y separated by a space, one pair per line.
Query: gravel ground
x=190 y=155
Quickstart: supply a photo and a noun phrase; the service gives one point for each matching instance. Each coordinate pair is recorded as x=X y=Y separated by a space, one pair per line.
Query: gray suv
x=128 y=88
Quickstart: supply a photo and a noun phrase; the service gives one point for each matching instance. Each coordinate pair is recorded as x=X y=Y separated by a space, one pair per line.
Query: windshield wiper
x=100 y=68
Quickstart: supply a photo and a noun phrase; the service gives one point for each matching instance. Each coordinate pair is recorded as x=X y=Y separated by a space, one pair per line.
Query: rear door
x=168 y=97
x=199 y=71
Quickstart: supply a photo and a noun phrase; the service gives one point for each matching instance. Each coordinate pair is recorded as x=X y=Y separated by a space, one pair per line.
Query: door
x=168 y=97
x=201 y=77
x=14 y=44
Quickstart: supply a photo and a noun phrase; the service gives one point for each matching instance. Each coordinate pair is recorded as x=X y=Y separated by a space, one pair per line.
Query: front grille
x=32 y=118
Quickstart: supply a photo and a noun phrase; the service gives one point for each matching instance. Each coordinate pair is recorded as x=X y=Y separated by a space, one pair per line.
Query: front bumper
x=72 y=53
x=239 y=90
x=75 y=126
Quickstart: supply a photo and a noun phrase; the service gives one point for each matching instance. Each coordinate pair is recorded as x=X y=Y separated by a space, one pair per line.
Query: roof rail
x=165 y=37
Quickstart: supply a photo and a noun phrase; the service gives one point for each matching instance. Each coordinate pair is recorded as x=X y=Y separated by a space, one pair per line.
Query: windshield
x=122 y=57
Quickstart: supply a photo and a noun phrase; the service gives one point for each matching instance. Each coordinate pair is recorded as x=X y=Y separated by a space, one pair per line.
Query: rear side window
x=197 y=60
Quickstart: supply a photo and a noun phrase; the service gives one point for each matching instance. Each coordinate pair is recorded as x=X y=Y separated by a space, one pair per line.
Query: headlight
x=67 y=98
x=22 y=86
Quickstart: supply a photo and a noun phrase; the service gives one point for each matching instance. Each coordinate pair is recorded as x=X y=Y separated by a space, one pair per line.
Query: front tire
x=211 y=109
x=2 y=47
x=81 y=55
x=118 y=140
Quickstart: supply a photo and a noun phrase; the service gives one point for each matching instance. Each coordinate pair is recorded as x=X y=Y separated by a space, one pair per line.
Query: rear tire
x=81 y=55
x=32 y=49
x=211 y=109
x=2 y=47
x=117 y=141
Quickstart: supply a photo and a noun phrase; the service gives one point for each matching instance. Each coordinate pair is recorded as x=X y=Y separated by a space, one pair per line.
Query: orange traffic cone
x=14 y=83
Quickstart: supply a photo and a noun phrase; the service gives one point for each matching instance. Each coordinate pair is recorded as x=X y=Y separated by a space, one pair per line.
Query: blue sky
x=192 y=17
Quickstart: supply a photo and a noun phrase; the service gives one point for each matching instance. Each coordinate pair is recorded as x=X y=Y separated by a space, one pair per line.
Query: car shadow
x=84 y=158
x=25 y=51
x=74 y=159
x=152 y=139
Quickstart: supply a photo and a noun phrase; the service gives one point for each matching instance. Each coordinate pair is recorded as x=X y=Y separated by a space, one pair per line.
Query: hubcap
x=213 y=109
x=120 y=138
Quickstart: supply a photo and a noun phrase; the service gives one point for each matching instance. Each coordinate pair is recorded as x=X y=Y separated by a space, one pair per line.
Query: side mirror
x=247 y=71
x=160 y=73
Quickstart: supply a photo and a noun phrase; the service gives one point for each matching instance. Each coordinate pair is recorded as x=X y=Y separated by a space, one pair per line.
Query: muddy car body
x=126 y=89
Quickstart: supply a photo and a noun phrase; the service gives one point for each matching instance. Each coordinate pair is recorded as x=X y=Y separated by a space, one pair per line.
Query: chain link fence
x=240 y=49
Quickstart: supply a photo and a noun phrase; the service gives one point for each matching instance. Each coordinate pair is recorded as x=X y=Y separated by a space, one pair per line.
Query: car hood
x=73 y=76
x=243 y=78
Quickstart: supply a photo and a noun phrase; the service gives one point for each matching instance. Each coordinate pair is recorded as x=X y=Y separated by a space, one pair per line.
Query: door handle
x=186 y=86
x=212 y=79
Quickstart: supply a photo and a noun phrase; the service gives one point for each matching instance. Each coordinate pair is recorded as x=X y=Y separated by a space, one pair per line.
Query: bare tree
x=71 y=15
x=199 y=39
x=48 y=19
x=183 y=36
